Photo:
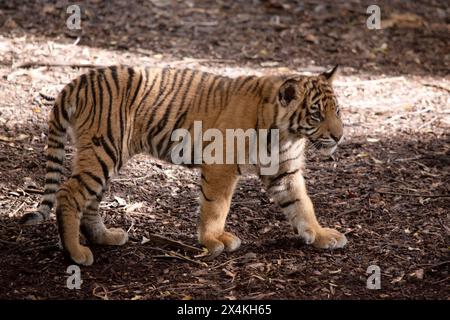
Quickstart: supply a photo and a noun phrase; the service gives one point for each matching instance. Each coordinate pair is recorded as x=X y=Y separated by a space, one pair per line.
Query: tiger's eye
x=316 y=115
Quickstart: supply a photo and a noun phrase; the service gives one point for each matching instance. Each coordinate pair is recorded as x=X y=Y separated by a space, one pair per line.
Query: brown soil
x=387 y=187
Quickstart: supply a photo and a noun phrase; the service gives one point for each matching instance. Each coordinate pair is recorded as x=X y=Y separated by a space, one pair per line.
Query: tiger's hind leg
x=95 y=231
x=71 y=200
x=91 y=171
x=218 y=183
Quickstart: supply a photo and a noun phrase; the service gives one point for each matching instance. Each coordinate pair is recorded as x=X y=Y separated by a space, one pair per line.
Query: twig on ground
x=133 y=178
x=183 y=61
x=430 y=266
x=443 y=280
x=34 y=191
x=8 y=242
x=347 y=212
x=31 y=64
x=175 y=243
x=414 y=194
x=436 y=86
x=428 y=122
x=175 y=255
x=17 y=210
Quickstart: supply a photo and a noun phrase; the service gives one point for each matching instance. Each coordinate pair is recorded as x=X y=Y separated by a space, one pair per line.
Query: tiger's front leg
x=288 y=189
x=217 y=186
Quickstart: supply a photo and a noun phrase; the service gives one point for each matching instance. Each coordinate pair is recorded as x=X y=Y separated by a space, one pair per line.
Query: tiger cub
x=117 y=112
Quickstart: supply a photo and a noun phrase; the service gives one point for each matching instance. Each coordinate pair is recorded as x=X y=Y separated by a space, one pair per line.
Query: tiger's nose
x=336 y=138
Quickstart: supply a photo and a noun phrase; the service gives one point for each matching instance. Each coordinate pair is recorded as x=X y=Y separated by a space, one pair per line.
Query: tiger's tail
x=57 y=133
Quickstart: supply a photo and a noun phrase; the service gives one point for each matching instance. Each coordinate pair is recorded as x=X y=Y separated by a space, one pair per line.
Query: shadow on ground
x=295 y=34
x=390 y=197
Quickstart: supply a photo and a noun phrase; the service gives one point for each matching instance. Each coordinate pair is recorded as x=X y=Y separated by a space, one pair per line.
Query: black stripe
x=82 y=83
x=287 y=189
x=275 y=116
x=289 y=203
x=244 y=82
x=55 y=143
x=292 y=118
x=100 y=78
x=115 y=78
x=227 y=90
x=303 y=107
x=54 y=124
x=214 y=93
x=290 y=159
x=62 y=106
x=199 y=89
x=204 y=196
x=121 y=129
x=56 y=117
x=76 y=201
x=137 y=90
x=108 y=150
x=47 y=203
x=71 y=87
x=53 y=169
x=90 y=116
x=51 y=181
x=179 y=122
x=108 y=118
x=253 y=88
x=147 y=92
x=51 y=158
x=94 y=97
x=84 y=185
x=185 y=94
x=208 y=95
x=155 y=107
x=150 y=109
x=281 y=176
x=60 y=223
x=46 y=97
x=48 y=191
x=94 y=177
x=80 y=109
x=104 y=168
x=165 y=117
x=286 y=149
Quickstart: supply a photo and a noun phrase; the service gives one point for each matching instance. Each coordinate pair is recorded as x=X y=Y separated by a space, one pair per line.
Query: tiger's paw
x=82 y=256
x=327 y=238
x=114 y=237
x=34 y=217
x=324 y=238
x=230 y=241
x=226 y=241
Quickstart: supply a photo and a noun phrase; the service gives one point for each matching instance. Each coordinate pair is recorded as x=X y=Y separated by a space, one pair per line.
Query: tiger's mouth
x=325 y=148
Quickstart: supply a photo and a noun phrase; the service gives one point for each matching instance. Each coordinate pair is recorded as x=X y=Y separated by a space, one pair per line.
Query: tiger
x=113 y=113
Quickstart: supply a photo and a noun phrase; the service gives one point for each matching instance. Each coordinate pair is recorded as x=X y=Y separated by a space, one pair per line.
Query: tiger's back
x=126 y=111
x=138 y=109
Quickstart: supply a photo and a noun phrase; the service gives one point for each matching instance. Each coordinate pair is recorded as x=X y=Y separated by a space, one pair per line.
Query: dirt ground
x=387 y=187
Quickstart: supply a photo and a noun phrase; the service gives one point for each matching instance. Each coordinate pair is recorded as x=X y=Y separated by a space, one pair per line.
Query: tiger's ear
x=288 y=92
x=330 y=74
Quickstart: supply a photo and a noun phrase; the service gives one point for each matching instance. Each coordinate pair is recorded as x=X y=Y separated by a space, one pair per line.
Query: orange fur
x=117 y=112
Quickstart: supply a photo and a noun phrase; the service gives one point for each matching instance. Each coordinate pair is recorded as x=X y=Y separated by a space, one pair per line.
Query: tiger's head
x=312 y=110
